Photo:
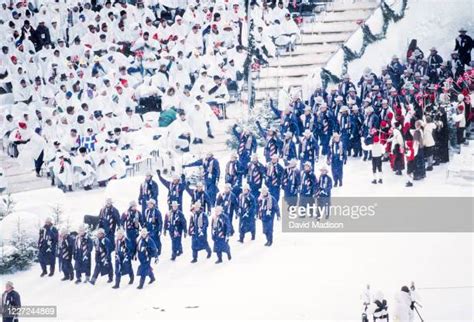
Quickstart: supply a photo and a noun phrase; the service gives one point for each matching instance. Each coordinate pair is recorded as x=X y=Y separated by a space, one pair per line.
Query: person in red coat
x=386 y=116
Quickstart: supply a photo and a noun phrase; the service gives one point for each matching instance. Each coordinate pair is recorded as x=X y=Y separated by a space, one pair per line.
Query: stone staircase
x=20 y=178
x=320 y=39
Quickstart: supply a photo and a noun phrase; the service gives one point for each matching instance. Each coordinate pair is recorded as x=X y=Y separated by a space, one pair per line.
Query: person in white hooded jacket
x=104 y=170
x=180 y=134
x=199 y=120
x=117 y=163
x=403 y=311
x=63 y=172
x=30 y=146
x=130 y=121
x=378 y=308
x=84 y=173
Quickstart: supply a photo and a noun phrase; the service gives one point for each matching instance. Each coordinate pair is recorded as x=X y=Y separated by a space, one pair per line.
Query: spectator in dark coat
x=464 y=44
x=10 y=299
x=434 y=59
x=28 y=32
x=42 y=36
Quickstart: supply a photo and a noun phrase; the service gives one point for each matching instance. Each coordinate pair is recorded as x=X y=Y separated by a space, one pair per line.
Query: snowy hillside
x=431 y=22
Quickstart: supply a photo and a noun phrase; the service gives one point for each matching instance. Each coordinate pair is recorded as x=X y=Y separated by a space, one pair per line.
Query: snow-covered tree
x=261 y=113
x=58 y=214
x=19 y=254
x=7 y=205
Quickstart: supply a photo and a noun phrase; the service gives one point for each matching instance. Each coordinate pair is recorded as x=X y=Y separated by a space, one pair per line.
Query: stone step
x=345 y=16
x=301 y=60
x=346 y=6
x=26 y=182
x=312 y=49
x=294 y=71
x=319 y=41
x=202 y=149
x=277 y=83
x=329 y=27
x=263 y=95
x=338 y=38
x=20 y=178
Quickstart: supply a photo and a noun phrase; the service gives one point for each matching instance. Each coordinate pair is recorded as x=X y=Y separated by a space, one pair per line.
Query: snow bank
x=30 y=209
x=123 y=191
x=7 y=251
x=38 y=200
x=25 y=223
x=375 y=23
x=311 y=83
x=356 y=41
x=334 y=65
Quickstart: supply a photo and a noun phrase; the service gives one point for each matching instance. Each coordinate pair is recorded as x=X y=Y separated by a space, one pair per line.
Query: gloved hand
x=156 y=260
x=83 y=173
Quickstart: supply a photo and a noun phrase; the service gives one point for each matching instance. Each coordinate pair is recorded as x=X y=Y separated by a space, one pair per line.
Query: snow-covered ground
x=302 y=276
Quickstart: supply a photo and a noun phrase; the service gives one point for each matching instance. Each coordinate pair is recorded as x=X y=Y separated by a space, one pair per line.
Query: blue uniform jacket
x=221 y=231
x=123 y=256
x=198 y=230
x=309 y=184
x=175 y=223
x=47 y=244
x=82 y=253
x=146 y=250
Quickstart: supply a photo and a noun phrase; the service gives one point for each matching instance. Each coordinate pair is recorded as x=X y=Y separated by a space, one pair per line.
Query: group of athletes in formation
x=402 y=115
x=136 y=234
